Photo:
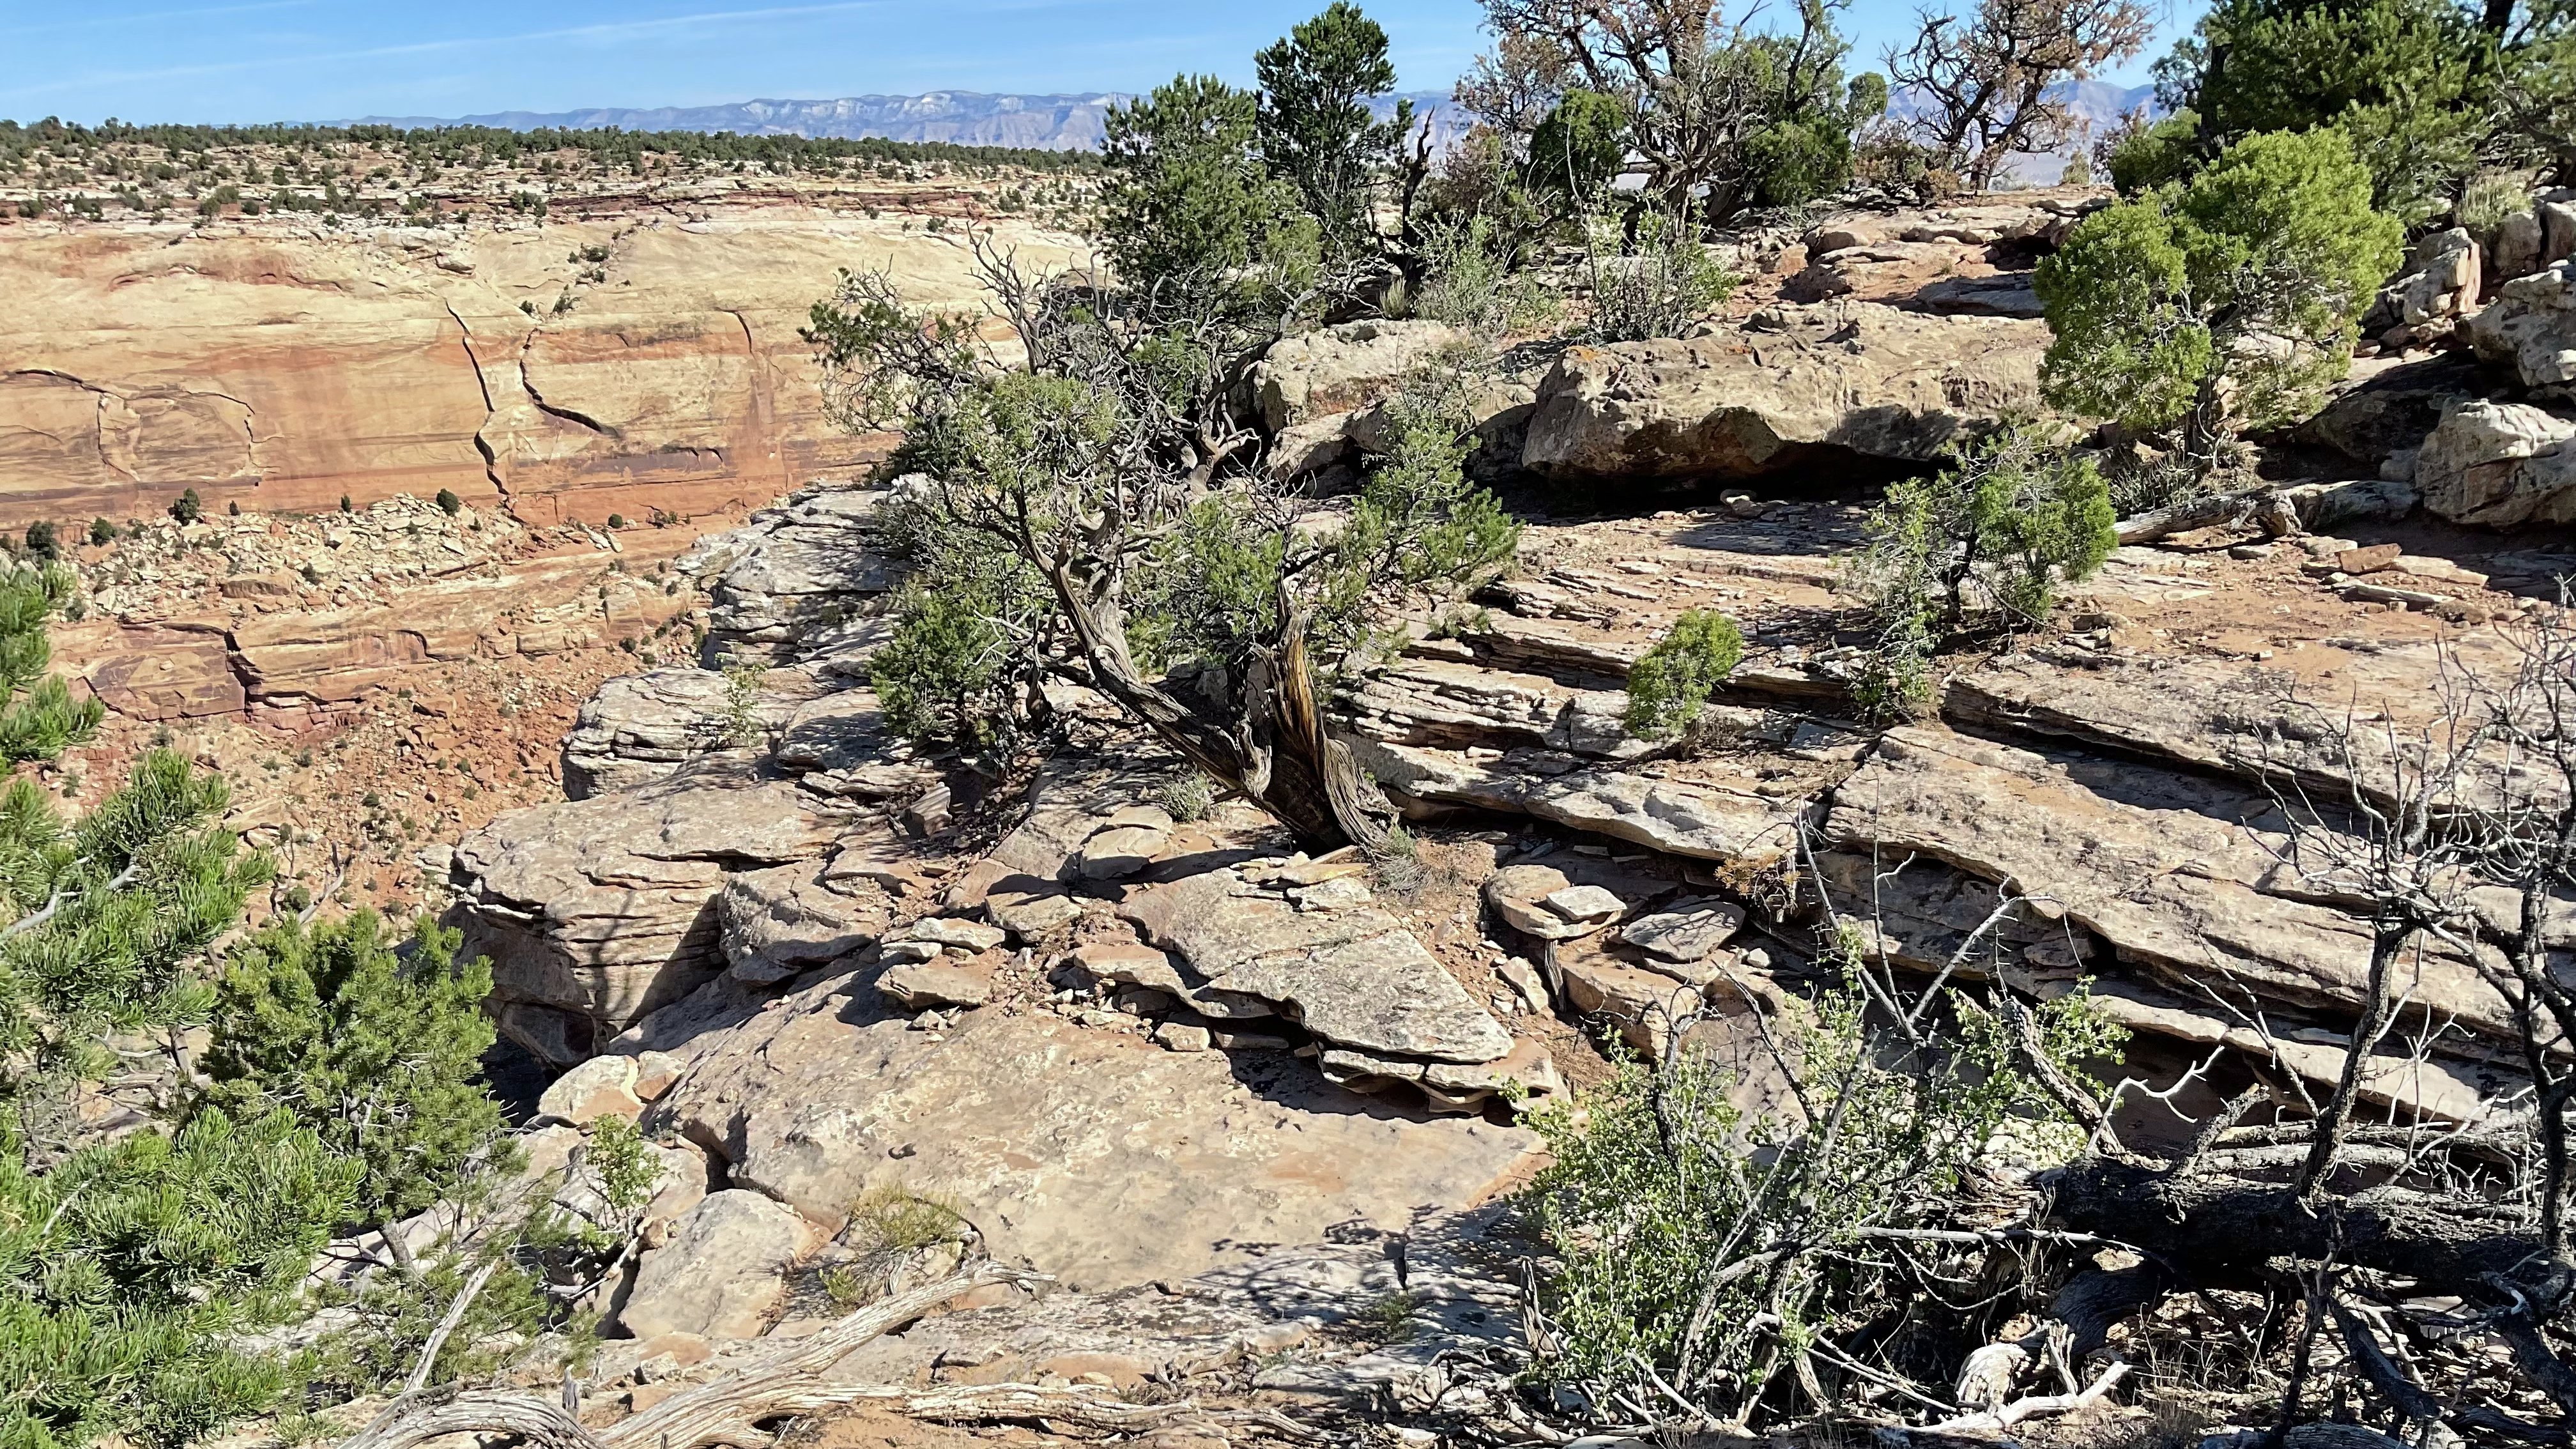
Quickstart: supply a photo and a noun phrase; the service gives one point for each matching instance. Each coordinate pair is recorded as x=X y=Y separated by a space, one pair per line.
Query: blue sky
x=303 y=60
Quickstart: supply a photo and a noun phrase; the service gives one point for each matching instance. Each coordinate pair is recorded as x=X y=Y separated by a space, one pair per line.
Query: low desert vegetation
x=1840 y=1226
x=1981 y=547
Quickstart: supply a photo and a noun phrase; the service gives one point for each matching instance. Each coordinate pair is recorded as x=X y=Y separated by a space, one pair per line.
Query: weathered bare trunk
x=1277 y=754
x=2224 y=1230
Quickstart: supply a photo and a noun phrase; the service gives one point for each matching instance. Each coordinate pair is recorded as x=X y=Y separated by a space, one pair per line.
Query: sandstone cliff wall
x=283 y=365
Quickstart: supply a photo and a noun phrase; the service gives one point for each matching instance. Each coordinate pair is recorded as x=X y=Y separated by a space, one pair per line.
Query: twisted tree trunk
x=1277 y=753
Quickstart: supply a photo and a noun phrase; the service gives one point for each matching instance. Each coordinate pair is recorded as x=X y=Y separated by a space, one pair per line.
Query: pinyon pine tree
x=130 y=1270
x=380 y=1050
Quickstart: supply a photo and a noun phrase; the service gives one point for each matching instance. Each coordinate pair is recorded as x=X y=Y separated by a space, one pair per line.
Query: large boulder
x=2388 y=406
x=597 y=912
x=1354 y=977
x=1796 y=385
x=793 y=573
x=778 y=922
x=723 y=1272
x=1339 y=369
x=2499 y=464
x=640 y=727
x=2437 y=285
x=2531 y=327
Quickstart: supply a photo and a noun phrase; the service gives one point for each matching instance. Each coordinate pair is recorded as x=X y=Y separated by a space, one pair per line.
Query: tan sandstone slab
x=1097 y=1155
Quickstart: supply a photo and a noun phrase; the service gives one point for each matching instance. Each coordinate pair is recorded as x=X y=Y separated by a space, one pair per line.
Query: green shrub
x=41 y=540
x=101 y=531
x=1316 y=130
x=1661 y=1195
x=2487 y=200
x=1578 y=146
x=2144 y=155
x=1186 y=191
x=1187 y=798
x=377 y=1050
x=1662 y=287
x=742 y=704
x=186 y=508
x=889 y=1218
x=1474 y=285
x=449 y=503
x=2228 y=301
x=1670 y=683
x=1986 y=542
x=2412 y=84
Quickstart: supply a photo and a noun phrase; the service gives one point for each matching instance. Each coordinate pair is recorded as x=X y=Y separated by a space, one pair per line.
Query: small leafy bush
x=187 y=508
x=1187 y=798
x=449 y=503
x=1985 y=542
x=2487 y=199
x=376 y=1044
x=1660 y=1183
x=1474 y=284
x=1670 y=684
x=1662 y=287
x=101 y=531
x=889 y=1218
x=742 y=703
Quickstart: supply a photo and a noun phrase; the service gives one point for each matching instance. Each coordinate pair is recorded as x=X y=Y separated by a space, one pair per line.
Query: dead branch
x=726 y=1411
x=446 y=1324
x=2261 y=505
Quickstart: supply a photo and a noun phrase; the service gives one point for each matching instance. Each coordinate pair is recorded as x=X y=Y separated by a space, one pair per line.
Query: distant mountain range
x=1077 y=122
x=967 y=118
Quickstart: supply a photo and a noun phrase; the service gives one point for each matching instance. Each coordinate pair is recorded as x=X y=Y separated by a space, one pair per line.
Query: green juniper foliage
x=1670 y=683
x=1719 y=116
x=1988 y=540
x=1101 y=500
x=1662 y=1187
x=378 y=1049
x=1576 y=150
x=2413 y=84
x=2227 y=301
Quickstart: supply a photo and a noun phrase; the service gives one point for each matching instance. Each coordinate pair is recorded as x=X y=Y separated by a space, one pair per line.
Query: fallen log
x=2265 y=506
x=2211 y=1229
x=729 y=1411
x=725 y=1411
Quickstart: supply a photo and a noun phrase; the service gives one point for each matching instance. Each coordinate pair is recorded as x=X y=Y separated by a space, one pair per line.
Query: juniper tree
x=1720 y=115
x=2225 y=302
x=1097 y=509
x=1186 y=188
